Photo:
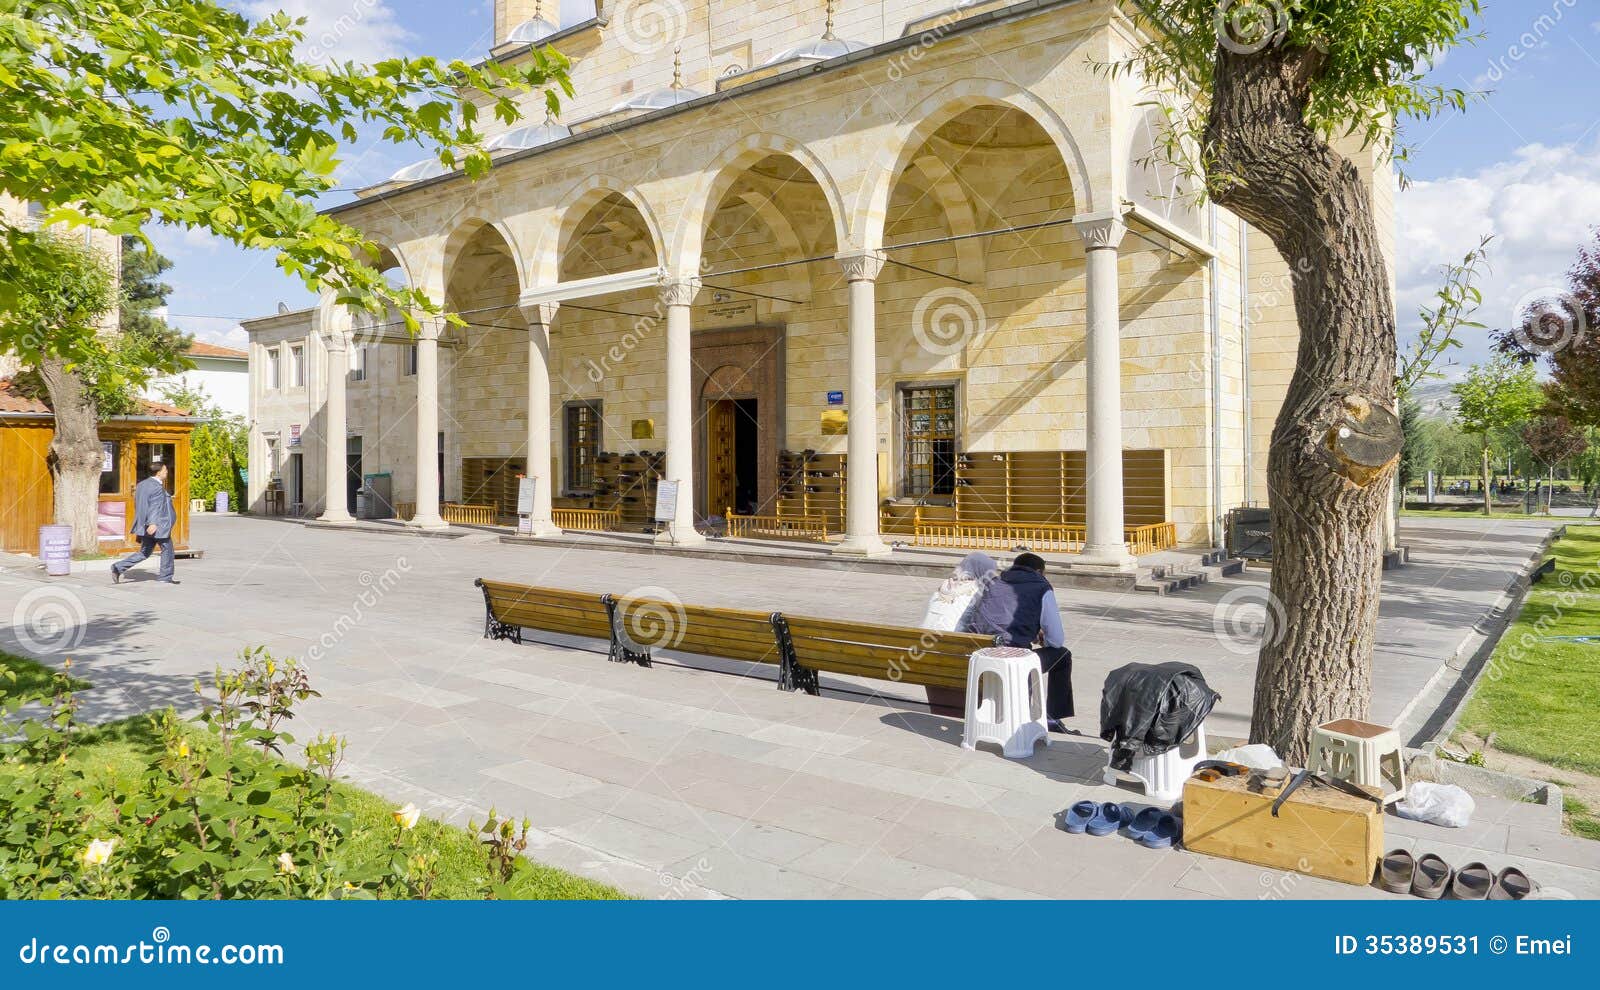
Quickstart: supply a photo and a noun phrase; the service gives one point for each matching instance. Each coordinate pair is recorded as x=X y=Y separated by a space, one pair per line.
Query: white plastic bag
x=1257 y=756
x=1437 y=804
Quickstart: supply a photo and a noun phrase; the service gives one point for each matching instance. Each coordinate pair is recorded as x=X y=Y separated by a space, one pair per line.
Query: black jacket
x=1147 y=709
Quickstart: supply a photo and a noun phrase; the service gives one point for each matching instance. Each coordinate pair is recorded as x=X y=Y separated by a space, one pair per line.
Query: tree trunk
x=75 y=454
x=1488 y=503
x=1336 y=442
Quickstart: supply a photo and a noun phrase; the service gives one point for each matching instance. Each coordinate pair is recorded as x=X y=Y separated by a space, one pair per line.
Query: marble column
x=539 y=319
x=427 y=516
x=335 y=430
x=861 y=539
x=1105 y=544
x=677 y=296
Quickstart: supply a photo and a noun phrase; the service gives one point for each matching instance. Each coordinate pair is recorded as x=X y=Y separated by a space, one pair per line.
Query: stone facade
x=981 y=151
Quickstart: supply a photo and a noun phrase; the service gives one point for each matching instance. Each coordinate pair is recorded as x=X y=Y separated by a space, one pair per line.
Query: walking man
x=1020 y=608
x=153 y=519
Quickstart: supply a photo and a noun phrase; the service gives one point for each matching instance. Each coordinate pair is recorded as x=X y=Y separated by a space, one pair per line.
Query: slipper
x=1511 y=885
x=1433 y=877
x=1164 y=835
x=1144 y=823
x=1078 y=817
x=1397 y=871
x=1108 y=817
x=1471 y=883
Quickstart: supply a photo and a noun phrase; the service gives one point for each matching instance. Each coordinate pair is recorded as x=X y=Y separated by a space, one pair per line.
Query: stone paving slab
x=687 y=781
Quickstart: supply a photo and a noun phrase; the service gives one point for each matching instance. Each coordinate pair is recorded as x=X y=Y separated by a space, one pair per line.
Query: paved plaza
x=686 y=781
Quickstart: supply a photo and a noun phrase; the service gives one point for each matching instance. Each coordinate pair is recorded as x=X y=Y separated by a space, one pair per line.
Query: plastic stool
x=1005 y=701
x=1362 y=753
x=1163 y=775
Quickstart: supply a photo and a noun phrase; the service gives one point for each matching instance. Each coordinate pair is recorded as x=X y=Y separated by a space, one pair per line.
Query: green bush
x=216 y=813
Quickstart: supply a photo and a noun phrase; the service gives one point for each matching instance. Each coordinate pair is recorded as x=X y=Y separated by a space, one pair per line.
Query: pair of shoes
x=1093 y=817
x=1430 y=877
x=170 y=581
x=116 y=575
x=1155 y=829
x=1056 y=725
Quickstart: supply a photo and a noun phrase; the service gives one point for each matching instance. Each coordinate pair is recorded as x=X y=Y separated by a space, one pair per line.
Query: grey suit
x=152 y=506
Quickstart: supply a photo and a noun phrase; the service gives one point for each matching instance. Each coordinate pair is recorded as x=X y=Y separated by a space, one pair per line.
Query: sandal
x=1397 y=870
x=1433 y=877
x=1511 y=885
x=1471 y=883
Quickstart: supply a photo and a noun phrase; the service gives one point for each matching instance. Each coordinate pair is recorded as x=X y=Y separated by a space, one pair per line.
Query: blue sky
x=1522 y=164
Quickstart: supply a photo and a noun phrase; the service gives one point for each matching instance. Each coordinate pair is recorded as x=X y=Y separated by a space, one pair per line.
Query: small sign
x=294 y=435
x=644 y=429
x=729 y=312
x=836 y=398
x=835 y=422
x=525 y=495
x=666 y=501
x=108 y=456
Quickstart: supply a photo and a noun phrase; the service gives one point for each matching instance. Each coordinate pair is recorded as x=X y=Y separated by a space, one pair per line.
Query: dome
x=819 y=50
x=428 y=168
x=671 y=96
x=529 y=136
x=529 y=31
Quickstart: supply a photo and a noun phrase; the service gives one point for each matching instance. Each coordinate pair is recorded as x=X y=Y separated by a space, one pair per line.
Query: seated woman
x=947 y=608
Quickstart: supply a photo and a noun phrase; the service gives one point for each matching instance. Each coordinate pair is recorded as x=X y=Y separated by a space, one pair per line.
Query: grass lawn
x=1541 y=694
x=32 y=679
x=123 y=750
x=1468 y=513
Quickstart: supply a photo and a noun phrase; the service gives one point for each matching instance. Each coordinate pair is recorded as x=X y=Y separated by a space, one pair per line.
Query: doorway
x=296 y=484
x=149 y=456
x=733 y=478
x=352 y=472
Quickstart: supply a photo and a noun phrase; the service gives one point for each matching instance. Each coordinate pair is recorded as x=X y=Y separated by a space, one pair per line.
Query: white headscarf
x=974 y=567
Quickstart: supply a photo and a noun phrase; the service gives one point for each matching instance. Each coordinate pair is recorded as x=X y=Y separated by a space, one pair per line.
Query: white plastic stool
x=1163 y=775
x=1361 y=753
x=1005 y=701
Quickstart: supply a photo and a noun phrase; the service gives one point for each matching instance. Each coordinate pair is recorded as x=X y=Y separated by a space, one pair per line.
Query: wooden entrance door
x=722 y=474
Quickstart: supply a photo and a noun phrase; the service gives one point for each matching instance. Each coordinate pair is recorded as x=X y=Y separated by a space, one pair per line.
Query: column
x=861 y=464
x=539 y=320
x=427 y=516
x=335 y=430
x=677 y=295
x=1105 y=545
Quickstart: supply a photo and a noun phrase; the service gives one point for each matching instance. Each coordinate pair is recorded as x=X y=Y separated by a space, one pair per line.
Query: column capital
x=335 y=342
x=1101 y=232
x=430 y=328
x=540 y=314
x=861 y=266
x=679 y=290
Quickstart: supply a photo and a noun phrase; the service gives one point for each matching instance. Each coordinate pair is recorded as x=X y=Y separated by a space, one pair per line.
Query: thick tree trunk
x=1336 y=441
x=75 y=454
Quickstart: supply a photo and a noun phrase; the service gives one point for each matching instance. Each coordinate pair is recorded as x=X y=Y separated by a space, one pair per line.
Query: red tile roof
x=13 y=401
x=204 y=350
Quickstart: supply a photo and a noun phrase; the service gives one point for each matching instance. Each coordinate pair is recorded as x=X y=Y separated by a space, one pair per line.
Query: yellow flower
x=286 y=864
x=99 y=852
x=183 y=749
x=272 y=668
x=407 y=817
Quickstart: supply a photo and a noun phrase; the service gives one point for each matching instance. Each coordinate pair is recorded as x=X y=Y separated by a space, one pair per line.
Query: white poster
x=666 y=501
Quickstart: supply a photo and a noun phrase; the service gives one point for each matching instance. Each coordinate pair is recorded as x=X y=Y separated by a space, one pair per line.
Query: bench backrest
x=734 y=634
x=892 y=653
x=574 y=613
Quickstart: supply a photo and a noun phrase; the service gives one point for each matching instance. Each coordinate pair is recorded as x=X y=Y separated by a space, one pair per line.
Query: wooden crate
x=1320 y=831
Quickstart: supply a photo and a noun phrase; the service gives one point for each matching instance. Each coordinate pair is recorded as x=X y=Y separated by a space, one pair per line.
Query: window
x=297 y=366
x=410 y=363
x=584 y=420
x=928 y=439
x=358 y=363
x=274 y=382
x=110 y=467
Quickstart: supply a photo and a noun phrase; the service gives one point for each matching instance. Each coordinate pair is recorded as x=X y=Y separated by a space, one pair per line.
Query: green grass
x=1540 y=696
x=1467 y=513
x=32 y=679
x=123 y=750
x=1580 y=819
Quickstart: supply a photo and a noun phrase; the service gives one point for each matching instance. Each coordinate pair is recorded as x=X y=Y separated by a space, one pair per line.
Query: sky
x=1522 y=163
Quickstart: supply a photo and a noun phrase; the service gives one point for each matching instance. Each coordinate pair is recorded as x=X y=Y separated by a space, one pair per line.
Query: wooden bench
x=800 y=646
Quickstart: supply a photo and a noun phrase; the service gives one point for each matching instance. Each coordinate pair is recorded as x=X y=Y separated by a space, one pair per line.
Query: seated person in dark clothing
x=1020 y=607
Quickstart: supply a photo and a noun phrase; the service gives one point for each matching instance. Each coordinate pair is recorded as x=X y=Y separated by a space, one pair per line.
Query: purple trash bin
x=55 y=549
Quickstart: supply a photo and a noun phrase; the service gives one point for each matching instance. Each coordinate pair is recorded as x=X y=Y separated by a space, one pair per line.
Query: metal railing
x=468 y=515
x=587 y=520
x=812 y=528
x=968 y=535
x=1152 y=538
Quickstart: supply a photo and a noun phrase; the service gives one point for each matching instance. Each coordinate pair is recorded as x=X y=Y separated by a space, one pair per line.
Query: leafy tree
x=1565 y=329
x=121 y=113
x=1553 y=440
x=219 y=448
x=1268 y=85
x=1495 y=398
x=1417 y=454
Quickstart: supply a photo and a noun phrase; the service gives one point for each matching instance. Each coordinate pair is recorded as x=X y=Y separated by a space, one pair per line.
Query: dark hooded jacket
x=1147 y=709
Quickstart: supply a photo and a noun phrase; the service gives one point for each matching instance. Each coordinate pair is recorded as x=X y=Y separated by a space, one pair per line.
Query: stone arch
x=545 y=266
x=957 y=208
x=463 y=235
x=725 y=170
x=906 y=144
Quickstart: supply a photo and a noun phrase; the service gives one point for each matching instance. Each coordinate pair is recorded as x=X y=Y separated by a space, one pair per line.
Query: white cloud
x=362 y=31
x=1540 y=205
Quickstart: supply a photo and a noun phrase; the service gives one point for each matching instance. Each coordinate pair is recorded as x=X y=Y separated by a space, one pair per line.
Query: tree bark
x=1488 y=499
x=1335 y=443
x=75 y=454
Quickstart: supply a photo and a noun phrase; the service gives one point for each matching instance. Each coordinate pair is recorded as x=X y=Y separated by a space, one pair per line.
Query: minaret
x=509 y=13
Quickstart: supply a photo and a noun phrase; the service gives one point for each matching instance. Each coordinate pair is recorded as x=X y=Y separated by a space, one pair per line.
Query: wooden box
x=1320 y=831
